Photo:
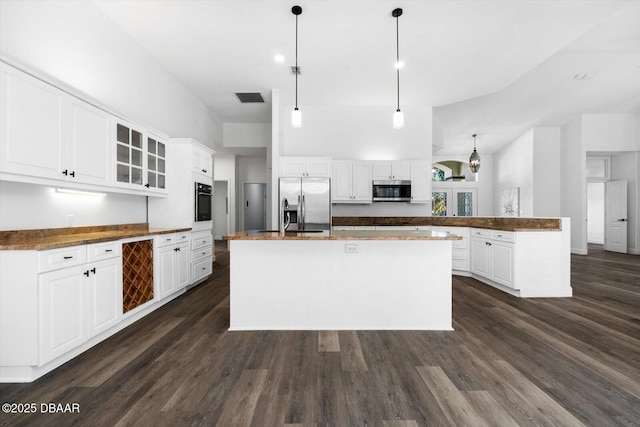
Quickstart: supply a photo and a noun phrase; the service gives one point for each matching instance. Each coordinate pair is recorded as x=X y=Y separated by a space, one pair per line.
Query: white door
x=220 y=209
x=615 y=237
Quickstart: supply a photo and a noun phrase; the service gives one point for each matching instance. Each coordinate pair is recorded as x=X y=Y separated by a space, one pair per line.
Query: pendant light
x=398 y=116
x=296 y=115
x=474 y=159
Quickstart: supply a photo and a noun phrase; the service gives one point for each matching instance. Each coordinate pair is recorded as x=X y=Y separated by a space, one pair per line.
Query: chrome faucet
x=285 y=219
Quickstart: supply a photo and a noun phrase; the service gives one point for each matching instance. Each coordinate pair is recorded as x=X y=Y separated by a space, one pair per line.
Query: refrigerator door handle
x=303 y=213
x=299 y=224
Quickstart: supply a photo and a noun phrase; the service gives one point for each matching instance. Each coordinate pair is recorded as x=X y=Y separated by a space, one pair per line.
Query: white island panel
x=340 y=284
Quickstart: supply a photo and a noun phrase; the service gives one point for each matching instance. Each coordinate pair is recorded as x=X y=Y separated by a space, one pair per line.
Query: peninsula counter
x=335 y=280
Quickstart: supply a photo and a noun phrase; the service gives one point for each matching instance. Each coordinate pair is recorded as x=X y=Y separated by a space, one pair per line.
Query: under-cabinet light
x=79 y=192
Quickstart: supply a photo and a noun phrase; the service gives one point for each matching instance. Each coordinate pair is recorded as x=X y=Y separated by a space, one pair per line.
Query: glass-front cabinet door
x=129 y=155
x=156 y=158
x=454 y=202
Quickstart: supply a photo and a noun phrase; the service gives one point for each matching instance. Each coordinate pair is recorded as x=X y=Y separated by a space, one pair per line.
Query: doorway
x=220 y=209
x=254 y=212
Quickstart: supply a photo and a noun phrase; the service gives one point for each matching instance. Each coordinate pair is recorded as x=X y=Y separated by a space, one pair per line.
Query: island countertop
x=343 y=235
x=492 y=223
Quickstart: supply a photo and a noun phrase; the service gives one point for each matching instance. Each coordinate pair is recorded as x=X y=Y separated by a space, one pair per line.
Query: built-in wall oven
x=203 y=197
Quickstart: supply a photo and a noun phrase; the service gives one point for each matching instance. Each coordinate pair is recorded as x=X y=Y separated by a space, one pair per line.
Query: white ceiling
x=494 y=67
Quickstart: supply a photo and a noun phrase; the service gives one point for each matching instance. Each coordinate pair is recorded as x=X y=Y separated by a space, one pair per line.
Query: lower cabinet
x=201 y=255
x=76 y=304
x=492 y=255
x=173 y=263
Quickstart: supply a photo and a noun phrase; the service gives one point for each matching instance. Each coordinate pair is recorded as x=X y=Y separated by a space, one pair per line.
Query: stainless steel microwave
x=391 y=191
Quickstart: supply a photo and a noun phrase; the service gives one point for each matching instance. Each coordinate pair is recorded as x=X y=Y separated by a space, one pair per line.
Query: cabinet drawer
x=201 y=253
x=458 y=253
x=202 y=268
x=460 y=264
x=477 y=232
x=182 y=237
x=55 y=259
x=99 y=251
x=167 y=239
x=503 y=236
x=201 y=242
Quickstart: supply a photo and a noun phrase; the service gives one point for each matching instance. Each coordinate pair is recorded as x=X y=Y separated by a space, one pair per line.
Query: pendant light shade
x=398 y=116
x=398 y=119
x=296 y=114
x=296 y=118
x=474 y=159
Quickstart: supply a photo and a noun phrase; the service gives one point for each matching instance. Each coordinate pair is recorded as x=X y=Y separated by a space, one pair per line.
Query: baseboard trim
x=633 y=251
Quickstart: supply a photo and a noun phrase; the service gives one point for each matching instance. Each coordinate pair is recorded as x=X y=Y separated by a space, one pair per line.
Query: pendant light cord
x=297 y=70
x=398 y=59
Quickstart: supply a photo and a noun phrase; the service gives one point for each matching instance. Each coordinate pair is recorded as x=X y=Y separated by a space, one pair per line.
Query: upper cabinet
x=391 y=170
x=202 y=162
x=51 y=137
x=305 y=167
x=420 y=182
x=351 y=182
x=47 y=133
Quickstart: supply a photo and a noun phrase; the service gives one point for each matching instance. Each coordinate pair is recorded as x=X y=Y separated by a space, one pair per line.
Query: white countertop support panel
x=338 y=285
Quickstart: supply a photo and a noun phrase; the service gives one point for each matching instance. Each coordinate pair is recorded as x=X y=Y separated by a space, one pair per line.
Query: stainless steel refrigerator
x=309 y=203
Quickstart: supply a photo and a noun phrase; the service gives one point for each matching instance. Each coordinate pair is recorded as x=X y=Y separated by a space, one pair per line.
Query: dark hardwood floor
x=510 y=361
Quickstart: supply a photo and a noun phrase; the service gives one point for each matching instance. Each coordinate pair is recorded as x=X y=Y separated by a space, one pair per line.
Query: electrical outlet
x=350 y=248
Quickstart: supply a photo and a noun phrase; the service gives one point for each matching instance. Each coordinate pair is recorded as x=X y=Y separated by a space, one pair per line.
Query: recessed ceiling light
x=278 y=58
x=584 y=76
x=399 y=65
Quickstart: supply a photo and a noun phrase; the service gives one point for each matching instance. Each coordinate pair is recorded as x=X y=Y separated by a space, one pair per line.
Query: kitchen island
x=334 y=280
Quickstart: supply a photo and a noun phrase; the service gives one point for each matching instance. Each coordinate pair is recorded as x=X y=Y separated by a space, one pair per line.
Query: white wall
x=595 y=212
x=28 y=206
x=225 y=170
x=246 y=134
x=609 y=132
x=513 y=167
x=573 y=184
x=357 y=132
x=546 y=172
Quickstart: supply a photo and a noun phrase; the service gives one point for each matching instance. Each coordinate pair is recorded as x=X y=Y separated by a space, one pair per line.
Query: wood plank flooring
x=509 y=362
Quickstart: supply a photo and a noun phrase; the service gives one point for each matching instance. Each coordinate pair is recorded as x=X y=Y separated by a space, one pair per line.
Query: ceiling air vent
x=249 y=97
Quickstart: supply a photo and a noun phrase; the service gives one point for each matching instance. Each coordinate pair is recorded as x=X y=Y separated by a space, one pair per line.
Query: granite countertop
x=52 y=238
x=491 y=223
x=343 y=235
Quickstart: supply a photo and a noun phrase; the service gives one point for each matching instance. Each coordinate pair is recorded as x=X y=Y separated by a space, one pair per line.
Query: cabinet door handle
x=86 y=273
x=73 y=174
x=147 y=185
x=108 y=250
x=65 y=172
x=204 y=170
x=93 y=270
x=68 y=257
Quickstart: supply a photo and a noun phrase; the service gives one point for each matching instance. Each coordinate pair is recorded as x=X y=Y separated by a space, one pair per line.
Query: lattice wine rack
x=137 y=274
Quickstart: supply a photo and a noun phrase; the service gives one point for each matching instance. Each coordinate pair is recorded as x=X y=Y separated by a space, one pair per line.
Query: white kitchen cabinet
x=173 y=263
x=420 y=182
x=104 y=290
x=49 y=134
x=492 y=255
x=61 y=298
x=201 y=162
x=156 y=179
x=351 y=182
x=383 y=170
x=130 y=154
x=300 y=167
x=459 y=248
x=201 y=255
